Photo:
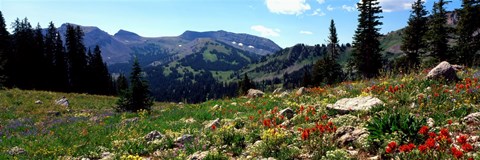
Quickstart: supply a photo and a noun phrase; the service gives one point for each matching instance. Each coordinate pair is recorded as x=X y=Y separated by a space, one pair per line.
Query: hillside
x=254 y=128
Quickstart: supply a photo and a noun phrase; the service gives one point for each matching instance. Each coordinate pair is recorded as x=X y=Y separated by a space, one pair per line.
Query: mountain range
x=120 y=47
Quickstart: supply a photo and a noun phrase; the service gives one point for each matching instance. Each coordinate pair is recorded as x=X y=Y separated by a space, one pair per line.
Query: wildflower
x=250 y=117
x=305 y=134
x=456 y=153
x=444 y=132
x=406 y=147
x=432 y=135
x=392 y=145
x=306 y=118
x=449 y=121
x=430 y=143
x=214 y=127
x=423 y=130
x=423 y=148
x=324 y=117
x=259 y=111
x=266 y=122
x=467 y=147
x=462 y=139
x=388 y=150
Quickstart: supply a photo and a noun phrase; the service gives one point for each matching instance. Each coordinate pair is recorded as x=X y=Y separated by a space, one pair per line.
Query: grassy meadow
x=252 y=128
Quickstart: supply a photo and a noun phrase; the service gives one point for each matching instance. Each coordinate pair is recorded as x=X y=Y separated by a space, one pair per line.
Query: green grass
x=91 y=126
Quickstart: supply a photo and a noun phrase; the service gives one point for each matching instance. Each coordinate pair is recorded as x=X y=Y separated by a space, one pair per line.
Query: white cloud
x=321 y=1
x=306 y=32
x=291 y=7
x=395 y=5
x=348 y=8
x=266 y=32
x=330 y=8
x=318 y=12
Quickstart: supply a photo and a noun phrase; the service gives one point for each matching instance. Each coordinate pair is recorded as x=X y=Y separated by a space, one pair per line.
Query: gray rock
x=300 y=91
x=430 y=122
x=443 y=70
x=215 y=123
x=130 y=120
x=346 y=105
x=184 y=138
x=287 y=113
x=198 y=155
x=53 y=113
x=38 y=102
x=16 y=151
x=63 y=102
x=277 y=91
x=153 y=135
x=348 y=134
x=254 y=93
x=472 y=119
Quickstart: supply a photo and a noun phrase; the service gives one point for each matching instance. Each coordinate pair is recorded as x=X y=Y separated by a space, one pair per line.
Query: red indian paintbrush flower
x=462 y=139
x=467 y=147
x=423 y=130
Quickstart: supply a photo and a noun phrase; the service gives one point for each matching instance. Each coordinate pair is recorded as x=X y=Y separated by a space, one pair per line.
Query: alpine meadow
x=241 y=80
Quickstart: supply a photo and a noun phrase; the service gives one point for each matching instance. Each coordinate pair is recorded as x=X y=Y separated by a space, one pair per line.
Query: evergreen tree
x=307 y=79
x=60 y=79
x=333 y=41
x=50 y=47
x=438 y=32
x=366 y=52
x=24 y=55
x=77 y=59
x=122 y=83
x=413 y=40
x=245 y=85
x=327 y=70
x=40 y=82
x=4 y=51
x=137 y=97
x=467 y=26
x=99 y=76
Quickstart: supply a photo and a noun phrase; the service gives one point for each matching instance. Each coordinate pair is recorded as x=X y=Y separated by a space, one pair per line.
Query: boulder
x=300 y=91
x=198 y=155
x=184 y=138
x=348 y=134
x=63 y=102
x=443 y=70
x=346 y=105
x=254 y=93
x=38 y=102
x=472 y=119
x=153 y=135
x=287 y=113
x=215 y=123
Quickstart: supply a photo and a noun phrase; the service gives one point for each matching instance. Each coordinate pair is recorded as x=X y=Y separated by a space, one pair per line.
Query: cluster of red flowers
x=319 y=128
x=467 y=86
x=395 y=89
x=434 y=141
x=316 y=90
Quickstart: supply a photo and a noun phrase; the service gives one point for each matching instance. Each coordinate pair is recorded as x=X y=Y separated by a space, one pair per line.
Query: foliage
x=137 y=97
x=413 y=41
x=394 y=125
x=438 y=32
x=366 y=53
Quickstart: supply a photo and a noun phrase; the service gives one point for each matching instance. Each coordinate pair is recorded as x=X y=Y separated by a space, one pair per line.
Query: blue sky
x=286 y=22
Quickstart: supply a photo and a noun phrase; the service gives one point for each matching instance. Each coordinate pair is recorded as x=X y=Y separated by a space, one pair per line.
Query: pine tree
x=77 y=60
x=245 y=85
x=413 y=40
x=333 y=41
x=60 y=79
x=307 y=79
x=122 y=83
x=366 y=52
x=4 y=51
x=137 y=97
x=466 y=28
x=24 y=55
x=438 y=32
x=100 y=81
x=50 y=47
